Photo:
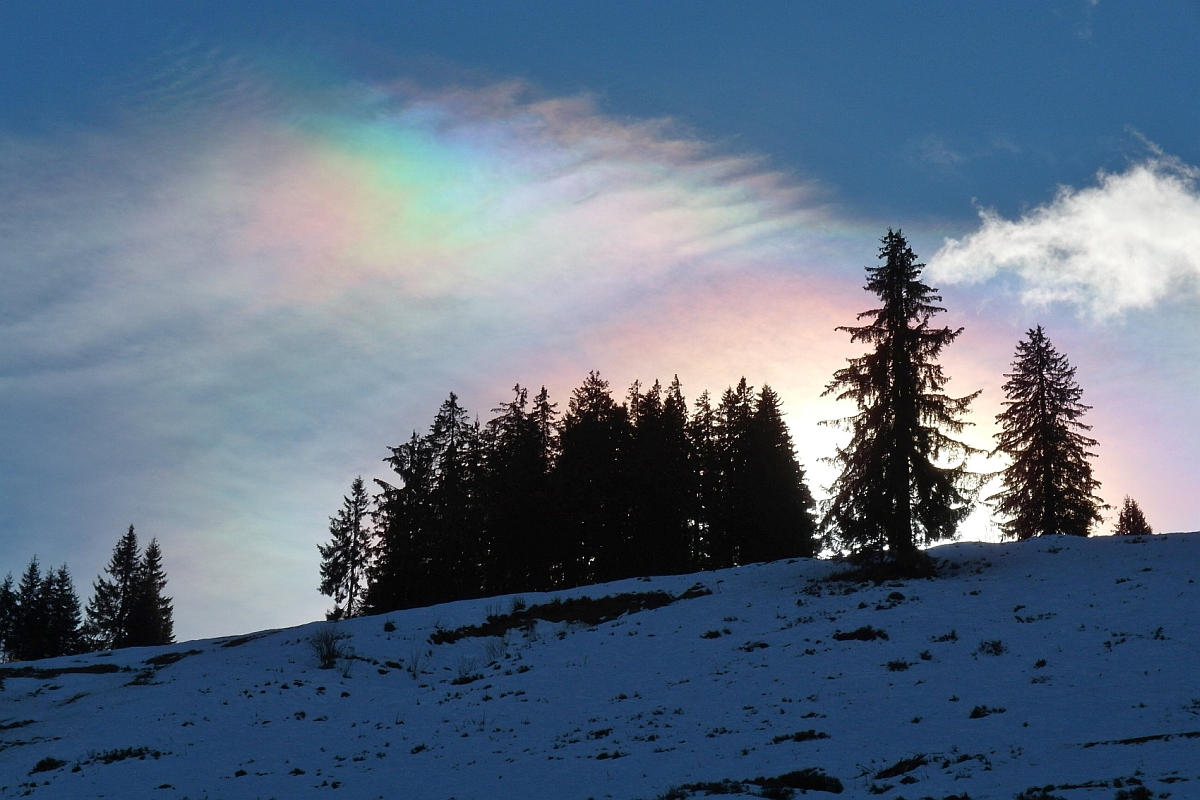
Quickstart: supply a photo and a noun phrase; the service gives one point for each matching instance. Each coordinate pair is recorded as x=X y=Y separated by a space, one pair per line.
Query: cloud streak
x=1129 y=242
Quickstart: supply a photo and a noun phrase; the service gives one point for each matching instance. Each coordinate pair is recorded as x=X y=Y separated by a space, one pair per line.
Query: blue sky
x=249 y=245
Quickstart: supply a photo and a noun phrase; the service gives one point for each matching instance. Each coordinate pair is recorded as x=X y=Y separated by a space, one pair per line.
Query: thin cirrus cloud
x=220 y=310
x=1129 y=242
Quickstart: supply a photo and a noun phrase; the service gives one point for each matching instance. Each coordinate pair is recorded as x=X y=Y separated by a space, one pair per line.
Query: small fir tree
x=61 y=614
x=1048 y=488
x=1131 y=521
x=892 y=493
x=152 y=620
x=345 y=559
x=8 y=614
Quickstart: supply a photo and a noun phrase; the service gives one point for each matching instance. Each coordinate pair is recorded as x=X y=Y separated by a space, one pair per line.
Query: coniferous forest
x=537 y=499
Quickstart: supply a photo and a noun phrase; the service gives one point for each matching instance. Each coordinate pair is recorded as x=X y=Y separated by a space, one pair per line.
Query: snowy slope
x=631 y=707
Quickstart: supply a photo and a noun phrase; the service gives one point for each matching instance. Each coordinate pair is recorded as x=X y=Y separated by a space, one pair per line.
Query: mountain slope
x=745 y=681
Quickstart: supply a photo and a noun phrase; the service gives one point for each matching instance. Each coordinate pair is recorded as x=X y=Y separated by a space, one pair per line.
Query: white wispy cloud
x=1129 y=241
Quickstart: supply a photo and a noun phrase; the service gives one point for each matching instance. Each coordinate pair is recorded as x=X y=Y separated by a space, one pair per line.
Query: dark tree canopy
x=1131 y=521
x=894 y=493
x=1048 y=488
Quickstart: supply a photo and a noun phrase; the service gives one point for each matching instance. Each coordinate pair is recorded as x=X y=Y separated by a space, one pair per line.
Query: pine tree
x=457 y=546
x=151 y=620
x=113 y=598
x=590 y=475
x=399 y=576
x=705 y=463
x=61 y=616
x=29 y=631
x=518 y=502
x=733 y=524
x=1048 y=488
x=1131 y=521
x=8 y=614
x=891 y=494
x=780 y=506
x=659 y=481
x=345 y=559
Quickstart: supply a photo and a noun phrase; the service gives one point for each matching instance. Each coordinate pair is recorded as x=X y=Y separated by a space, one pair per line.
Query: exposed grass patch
x=902 y=766
x=579 y=610
x=864 y=634
x=979 y=712
x=780 y=787
x=800 y=736
x=165 y=659
x=47 y=764
x=53 y=672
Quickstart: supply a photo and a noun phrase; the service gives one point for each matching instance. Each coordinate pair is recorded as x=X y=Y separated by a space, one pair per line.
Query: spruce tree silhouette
x=345 y=558
x=780 y=507
x=400 y=574
x=704 y=457
x=1048 y=488
x=591 y=477
x=1131 y=521
x=456 y=549
x=659 y=480
x=61 y=614
x=113 y=598
x=891 y=494
x=8 y=615
x=517 y=500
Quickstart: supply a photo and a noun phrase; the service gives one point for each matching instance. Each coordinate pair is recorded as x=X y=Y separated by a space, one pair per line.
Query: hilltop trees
x=892 y=494
x=128 y=608
x=1048 y=488
x=532 y=502
x=1131 y=521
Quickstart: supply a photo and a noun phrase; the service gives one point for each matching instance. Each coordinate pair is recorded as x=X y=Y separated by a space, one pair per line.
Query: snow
x=631 y=707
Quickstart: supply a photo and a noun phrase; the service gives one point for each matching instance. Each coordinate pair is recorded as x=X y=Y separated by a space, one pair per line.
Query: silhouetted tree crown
x=893 y=493
x=1049 y=487
x=1131 y=521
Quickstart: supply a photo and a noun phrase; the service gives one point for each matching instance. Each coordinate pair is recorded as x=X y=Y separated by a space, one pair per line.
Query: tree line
x=41 y=616
x=534 y=501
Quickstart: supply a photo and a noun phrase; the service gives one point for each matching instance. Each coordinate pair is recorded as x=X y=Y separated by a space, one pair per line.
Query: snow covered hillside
x=1055 y=661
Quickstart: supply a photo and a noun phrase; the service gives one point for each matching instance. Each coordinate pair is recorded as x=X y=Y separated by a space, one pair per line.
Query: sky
x=249 y=246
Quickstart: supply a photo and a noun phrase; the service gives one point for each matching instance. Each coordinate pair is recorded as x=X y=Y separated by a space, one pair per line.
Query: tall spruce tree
x=152 y=618
x=591 y=477
x=344 y=560
x=892 y=494
x=113 y=598
x=780 y=507
x=704 y=457
x=400 y=574
x=8 y=615
x=734 y=521
x=659 y=480
x=30 y=632
x=1131 y=521
x=518 y=502
x=1048 y=488
x=61 y=614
